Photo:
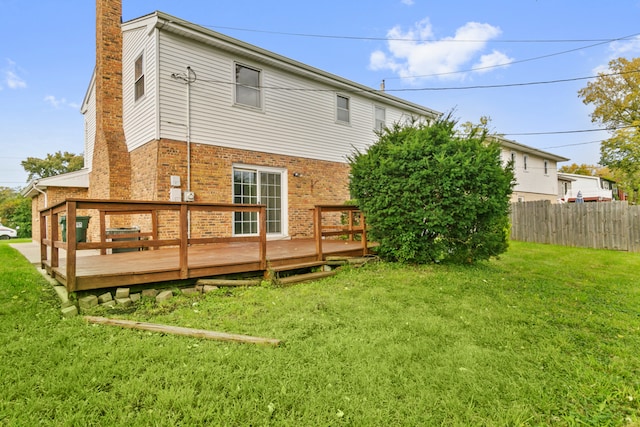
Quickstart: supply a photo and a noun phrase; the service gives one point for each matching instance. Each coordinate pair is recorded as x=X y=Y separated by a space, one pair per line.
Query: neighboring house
x=536 y=171
x=49 y=191
x=591 y=188
x=209 y=118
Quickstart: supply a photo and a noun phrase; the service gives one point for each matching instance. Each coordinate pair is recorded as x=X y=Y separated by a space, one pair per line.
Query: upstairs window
x=139 y=78
x=248 y=90
x=525 y=161
x=343 y=109
x=513 y=159
x=546 y=167
x=380 y=118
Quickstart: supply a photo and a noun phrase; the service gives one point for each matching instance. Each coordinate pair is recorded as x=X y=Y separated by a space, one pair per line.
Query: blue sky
x=47 y=57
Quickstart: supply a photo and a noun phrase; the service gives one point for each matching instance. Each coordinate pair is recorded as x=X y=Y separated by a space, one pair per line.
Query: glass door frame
x=284 y=200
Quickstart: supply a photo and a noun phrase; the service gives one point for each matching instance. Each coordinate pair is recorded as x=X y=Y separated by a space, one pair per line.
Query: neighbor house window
x=248 y=90
x=513 y=158
x=343 y=108
x=139 y=78
x=546 y=167
x=380 y=118
x=525 y=160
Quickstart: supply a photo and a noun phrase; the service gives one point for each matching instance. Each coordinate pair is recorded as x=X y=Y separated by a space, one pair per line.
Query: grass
x=546 y=335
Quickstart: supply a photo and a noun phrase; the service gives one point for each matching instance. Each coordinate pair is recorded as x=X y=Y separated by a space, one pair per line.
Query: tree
x=15 y=211
x=54 y=164
x=431 y=195
x=615 y=96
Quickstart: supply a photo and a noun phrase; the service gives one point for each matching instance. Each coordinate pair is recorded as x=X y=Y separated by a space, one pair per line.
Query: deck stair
x=298 y=272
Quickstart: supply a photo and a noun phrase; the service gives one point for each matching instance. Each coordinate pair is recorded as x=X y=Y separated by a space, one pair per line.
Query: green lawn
x=544 y=336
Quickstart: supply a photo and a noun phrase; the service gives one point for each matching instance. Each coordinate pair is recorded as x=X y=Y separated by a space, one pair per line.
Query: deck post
x=71 y=246
x=184 y=241
x=55 y=251
x=263 y=237
x=317 y=225
x=43 y=236
x=363 y=236
x=351 y=225
x=103 y=231
x=154 y=226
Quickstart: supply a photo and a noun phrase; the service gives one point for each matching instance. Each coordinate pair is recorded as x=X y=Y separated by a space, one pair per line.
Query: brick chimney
x=111 y=169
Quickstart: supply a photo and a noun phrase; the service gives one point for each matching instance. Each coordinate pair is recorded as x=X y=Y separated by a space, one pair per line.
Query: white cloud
x=59 y=102
x=407 y=2
x=625 y=47
x=622 y=48
x=10 y=77
x=491 y=61
x=417 y=53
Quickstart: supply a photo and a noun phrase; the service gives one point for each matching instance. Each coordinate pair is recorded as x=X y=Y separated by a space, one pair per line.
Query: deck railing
x=352 y=225
x=49 y=220
x=330 y=222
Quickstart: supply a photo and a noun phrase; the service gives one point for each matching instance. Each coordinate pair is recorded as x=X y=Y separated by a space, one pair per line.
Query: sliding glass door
x=258 y=186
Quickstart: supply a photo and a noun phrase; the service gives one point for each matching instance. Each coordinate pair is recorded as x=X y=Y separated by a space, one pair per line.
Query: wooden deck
x=135 y=268
x=185 y=257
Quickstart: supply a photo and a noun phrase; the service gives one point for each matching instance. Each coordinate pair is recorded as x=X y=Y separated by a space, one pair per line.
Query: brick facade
x=318 y=182
x=54 y=195
x=111 y=171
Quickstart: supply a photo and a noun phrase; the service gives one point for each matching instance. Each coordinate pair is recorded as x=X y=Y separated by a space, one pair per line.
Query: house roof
x=76 y=179
x=510 y=144
x=578 y=177
x=166 y=22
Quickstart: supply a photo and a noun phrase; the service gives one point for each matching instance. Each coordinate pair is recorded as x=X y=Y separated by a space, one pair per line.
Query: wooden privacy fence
x=610 y=225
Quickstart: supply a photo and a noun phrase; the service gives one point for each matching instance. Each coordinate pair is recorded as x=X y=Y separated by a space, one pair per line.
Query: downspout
x=44 y=193
x=189 y=71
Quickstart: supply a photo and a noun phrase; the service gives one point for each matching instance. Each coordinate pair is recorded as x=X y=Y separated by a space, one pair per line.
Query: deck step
x=226 y=283
x=288 y=267
x=308 y=277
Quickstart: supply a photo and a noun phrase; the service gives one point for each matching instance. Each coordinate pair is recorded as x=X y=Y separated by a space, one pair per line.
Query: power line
x=598 y=42
x=567 y=131
x=339 y=37
x=514 y=62
x=573 y=145
x=423 y=89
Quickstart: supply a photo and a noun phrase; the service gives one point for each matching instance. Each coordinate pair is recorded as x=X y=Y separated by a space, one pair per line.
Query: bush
x=430 y=195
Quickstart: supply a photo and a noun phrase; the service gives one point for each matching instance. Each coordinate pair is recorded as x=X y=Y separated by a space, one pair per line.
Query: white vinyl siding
x=89 y=112
x=139 y=116
x=298 y=123
x=534 y=179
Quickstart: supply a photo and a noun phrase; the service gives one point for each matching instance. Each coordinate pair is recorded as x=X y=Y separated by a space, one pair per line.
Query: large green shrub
x=430 y=195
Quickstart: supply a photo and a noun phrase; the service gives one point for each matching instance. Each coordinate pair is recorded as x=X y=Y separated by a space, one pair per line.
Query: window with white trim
x=525 y=160
x=513 y=158
x=546 y=167
x=139 y=78
x=380 y=118
x=248 y=91
x=342 y=113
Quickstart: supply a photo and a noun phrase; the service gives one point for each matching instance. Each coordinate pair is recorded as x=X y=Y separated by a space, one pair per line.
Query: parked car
x=7 y=233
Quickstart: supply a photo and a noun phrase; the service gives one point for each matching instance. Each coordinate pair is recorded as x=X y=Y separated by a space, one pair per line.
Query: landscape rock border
x=120 y=297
